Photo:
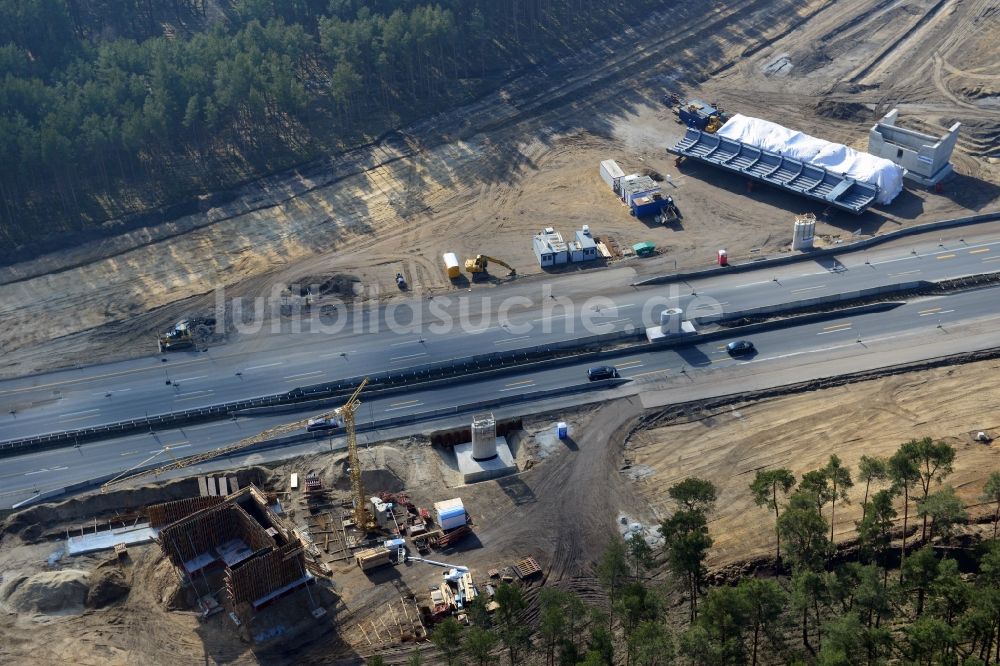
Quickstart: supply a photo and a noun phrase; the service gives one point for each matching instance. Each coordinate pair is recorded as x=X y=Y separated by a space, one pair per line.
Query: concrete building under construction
x=260 y=558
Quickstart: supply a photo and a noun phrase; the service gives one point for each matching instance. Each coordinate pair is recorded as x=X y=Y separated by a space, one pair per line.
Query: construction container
x=562 y=430
x=646 y=249
x=588 y=248
x=373 y=557
x=611 y=174
x=575 y=251
x=550 y=248
x=635 y=186
x=450 y=513
x=451 y=266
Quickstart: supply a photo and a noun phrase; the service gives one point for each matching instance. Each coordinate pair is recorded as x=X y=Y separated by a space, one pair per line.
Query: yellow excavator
x=479 y=265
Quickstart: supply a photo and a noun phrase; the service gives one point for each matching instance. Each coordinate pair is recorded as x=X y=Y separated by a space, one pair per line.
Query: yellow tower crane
x=345 y=413
x=362 y=518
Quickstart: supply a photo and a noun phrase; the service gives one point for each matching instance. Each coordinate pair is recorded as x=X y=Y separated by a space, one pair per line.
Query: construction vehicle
x=179 y=337
x=343 y=414
x=456 y=589
x=670 y=213
x=454 y=573
x=701 y=115
x=480 y=264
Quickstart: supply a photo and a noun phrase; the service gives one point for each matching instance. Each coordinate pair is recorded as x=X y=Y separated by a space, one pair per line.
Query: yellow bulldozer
x=179 y=337
x=479 y=265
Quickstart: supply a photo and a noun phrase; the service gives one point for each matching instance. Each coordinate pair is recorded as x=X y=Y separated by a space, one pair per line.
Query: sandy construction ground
x=800 y=432
x=561 y=509
x=486 y=177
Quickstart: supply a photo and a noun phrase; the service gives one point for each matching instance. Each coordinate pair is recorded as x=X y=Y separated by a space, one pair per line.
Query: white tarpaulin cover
x=834 y=157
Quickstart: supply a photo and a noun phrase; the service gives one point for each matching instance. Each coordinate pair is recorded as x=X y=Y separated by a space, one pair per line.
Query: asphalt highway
x=524 y=313
x=874 y=334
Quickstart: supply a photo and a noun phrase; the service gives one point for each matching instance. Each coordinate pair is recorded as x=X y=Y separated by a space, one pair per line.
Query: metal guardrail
x=382 y=424
x=455 y=369
x=461 y=369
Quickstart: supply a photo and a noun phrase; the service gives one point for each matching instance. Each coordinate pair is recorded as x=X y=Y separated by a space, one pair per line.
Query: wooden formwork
x=203 y=531
x=262 y=574
x=397 y=623
x=171 y=512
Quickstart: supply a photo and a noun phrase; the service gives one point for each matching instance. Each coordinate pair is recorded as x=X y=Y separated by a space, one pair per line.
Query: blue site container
x=562 y=430
x=647 y=206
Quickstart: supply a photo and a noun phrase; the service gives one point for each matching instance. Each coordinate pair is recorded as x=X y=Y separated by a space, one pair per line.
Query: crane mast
x=362 y=517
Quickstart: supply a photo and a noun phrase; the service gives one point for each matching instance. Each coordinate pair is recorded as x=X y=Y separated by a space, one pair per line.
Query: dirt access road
x=485 y=177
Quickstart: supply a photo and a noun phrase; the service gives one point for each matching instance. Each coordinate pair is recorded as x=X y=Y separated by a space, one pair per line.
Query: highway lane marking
x=904 y=273
x=207 y=425
x=304 y=374
x=266 y=365
x=86 y=411
x=171 y=447
x=751 y=284
x=929 y=311
x=986 y=261
x=128 y=453
x=405 y=342
x=929 y=254
x=643 y=374
x=192 y=395
x=415 y=403
x=516 y=388
x=400 y=358
x=189 y=379
x=554 y=317
x=112 y=391
x=509 y=340
x=524 y=381
x=936 y=311
x=796 y=291
x=404 y=403
x=46 y=469
x=78 y=418
x=88 y=379
x=980 y=250
x=837 y=328
x=629 y=364
x=946 y=256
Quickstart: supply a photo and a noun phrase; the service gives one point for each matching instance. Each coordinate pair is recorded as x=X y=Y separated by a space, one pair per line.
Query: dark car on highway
x=602 y=372
x=321 y=423
x=740 y=348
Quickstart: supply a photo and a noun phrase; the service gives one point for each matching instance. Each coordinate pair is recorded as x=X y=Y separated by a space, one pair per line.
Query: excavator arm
x=503 y=263
x=481 y=263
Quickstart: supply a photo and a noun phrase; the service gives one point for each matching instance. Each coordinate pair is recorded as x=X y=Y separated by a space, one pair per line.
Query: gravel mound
x=46 y=592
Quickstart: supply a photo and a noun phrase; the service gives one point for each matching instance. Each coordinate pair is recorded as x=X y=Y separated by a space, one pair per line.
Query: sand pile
x=46 y=592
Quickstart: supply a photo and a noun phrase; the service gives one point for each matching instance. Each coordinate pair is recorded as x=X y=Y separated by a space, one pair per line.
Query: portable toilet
x=723 y=259
x=562 y=430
